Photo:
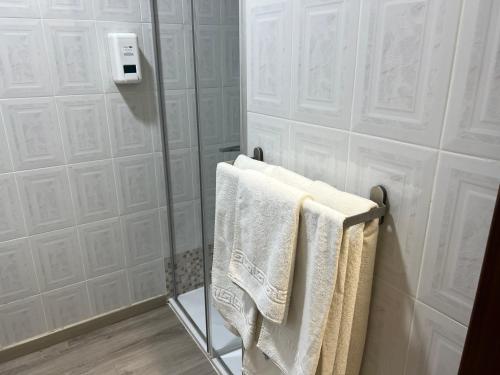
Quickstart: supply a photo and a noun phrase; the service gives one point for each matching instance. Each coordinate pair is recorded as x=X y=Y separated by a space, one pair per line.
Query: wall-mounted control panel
x=125 y=57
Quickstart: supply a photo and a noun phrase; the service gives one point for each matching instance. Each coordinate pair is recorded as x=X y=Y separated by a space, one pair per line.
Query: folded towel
x=265 y=239
x=234 y=305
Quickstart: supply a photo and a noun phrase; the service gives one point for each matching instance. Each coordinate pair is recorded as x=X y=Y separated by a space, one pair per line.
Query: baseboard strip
x=52 y=338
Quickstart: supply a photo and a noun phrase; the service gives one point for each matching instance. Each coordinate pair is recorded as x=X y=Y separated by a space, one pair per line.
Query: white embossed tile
x=462 y=208
x=72 y=9
x=269 y=55
x=57 y=258
x=230 y=12
x=109 y=292
x=33 y=132
x=181 y=172
x=84 y=127
x=170 y=11
x=5 y=161
x=94 y=191
x=11 y=217
x=436 y=343
x=187 y=230
x=210 y=112
x=21 y=320
x=407 y=172
x=324 y=45
x=187 y=12
x=142 y=238
x=188 y=47
x=130 y=118
x=165 y=232
x=102 y=247
x=173 y=56
x=135 y=177
x=117 y=10
x=473 y=121
x=46 y=199
x=17 y=272
x=405 y=54
x=147 y=280
x=209 y=159
x=19 y=8
x=231 y=114
x=389 y=325
x=208 y=56
x=23 y=59
x=272 y=134
x=319 y=153
x=72 y=47
x=66 y=306
x=207 y=12
x=160 y=179
x=176 y=107
x=230 y=55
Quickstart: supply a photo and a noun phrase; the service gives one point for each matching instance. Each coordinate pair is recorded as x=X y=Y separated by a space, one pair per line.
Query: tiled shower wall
x=403 y=94
x=81 y=208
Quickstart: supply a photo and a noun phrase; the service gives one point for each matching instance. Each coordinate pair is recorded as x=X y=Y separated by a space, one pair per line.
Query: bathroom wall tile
x=192 y=117
x=186 y=226
x=5 y=161
x=209 y=159
x=186 y=11
x=102 y=247
x=403 y=68
x=388 y=332
x=136 y=188
x=165 y=232
x=145 y=10
x=66 y=306
x=210 y=121
x=147 y=280
x=148 y=62
x=170 y=11
x=188 y=47
x=94 y=191
x=117 y=10
x=208 y=56
x=23 y=59
x=462 y=209
x=17 y=272
x=269 y=42
x=324 y=46
x=130 y=123
x=319 y=153
x=407 y=172
x=160 y=178
x=230 y=55
x=272 y=134
x=103 y=29
x=73 y=9
x=11 y=217
x=109 y=292
x=33 y=132
x=436 y=343
x=73 y=55
x=46 y=199
x=230 y=12
x=207 y=12
x=231 y=119
x=57 y=258
x=181 y=171
x=173 y=56
x=473 y=119
x=176 y=107
x=19 y=8
x=84 y=127
x=21 y=320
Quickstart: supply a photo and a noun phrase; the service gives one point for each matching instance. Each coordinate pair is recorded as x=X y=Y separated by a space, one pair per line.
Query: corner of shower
x=197 y=56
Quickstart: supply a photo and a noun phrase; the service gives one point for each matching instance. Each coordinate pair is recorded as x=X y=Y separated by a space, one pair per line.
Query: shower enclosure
x=198 y=80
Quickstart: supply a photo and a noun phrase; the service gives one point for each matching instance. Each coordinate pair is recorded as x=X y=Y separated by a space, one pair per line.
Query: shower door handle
x=230 y=148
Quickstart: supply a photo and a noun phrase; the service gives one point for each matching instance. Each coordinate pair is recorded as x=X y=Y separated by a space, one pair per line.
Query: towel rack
x=378 y=194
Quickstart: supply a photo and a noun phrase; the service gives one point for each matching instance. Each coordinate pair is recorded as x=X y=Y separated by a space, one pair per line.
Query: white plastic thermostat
x=125 y=57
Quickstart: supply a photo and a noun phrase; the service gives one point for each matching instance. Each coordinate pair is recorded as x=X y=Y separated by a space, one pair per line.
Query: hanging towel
x=265 y=239
x=296 y=345
x=234 y=305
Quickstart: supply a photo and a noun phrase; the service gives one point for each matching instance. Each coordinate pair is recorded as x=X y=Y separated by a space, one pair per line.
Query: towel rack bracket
x=258 y=154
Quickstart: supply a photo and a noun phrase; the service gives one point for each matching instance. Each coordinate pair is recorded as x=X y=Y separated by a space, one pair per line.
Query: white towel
x=296 y=345
x=265 y=240
x=234 y=305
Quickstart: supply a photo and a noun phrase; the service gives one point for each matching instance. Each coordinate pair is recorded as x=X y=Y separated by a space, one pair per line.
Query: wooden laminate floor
x=154 y=343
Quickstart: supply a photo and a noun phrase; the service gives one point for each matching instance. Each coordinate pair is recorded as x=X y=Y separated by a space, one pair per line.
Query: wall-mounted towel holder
x=378 y=194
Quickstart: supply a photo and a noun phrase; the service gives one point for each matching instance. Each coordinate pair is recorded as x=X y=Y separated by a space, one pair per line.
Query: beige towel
x=234 y=305
x=265 y=240
x=295 y=346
